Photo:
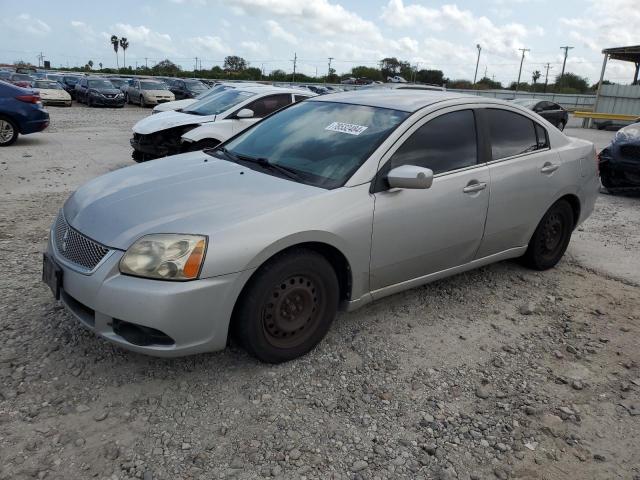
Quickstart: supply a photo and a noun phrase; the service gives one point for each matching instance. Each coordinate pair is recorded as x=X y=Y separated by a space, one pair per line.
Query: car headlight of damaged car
x=165 y=257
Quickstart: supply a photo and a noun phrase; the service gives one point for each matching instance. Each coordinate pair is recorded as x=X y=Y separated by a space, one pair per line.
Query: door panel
x=417 y=232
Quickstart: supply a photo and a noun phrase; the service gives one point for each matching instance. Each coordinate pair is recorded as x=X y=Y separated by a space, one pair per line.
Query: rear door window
x=510 y=133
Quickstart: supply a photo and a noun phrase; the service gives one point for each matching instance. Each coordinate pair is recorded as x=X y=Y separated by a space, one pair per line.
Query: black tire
x=89 y=102
x=551 y=238
x=287 y=307
x=202 y=144
x=127 y=99
x=137 y=156
x=143 y=104
x=8 y=131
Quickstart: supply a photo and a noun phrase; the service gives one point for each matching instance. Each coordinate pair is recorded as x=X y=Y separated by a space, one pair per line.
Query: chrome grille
x=75 y=247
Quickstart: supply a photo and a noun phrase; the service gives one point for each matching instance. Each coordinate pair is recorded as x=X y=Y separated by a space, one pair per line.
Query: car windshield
x=324 y=143
x=47 y=85
x=218 y=103
x=152 y=86
x=21 y=77
x=100 y=84
x=212 y=91
x=195 y=85
x=117 y=82
x=71 y=80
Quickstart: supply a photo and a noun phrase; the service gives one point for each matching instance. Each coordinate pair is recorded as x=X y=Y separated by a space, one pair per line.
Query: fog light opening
x=140 y=335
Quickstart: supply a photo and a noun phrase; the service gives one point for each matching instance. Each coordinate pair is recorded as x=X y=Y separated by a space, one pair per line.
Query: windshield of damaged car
x=51 y=85
x=152 y=86
x=218 y=103
x=100 y=84
x=323 y=142
x=195 y=85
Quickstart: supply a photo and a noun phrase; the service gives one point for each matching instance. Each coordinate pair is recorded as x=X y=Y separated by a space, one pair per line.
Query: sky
x=268 y=33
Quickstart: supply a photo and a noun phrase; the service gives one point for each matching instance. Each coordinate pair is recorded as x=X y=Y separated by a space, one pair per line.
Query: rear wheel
x=8 y=132
x=127 y=99
x=551 y=238
x=287 y=307
x=143 y=103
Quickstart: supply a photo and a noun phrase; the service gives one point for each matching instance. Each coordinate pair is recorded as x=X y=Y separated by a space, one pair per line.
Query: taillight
x=29 y=98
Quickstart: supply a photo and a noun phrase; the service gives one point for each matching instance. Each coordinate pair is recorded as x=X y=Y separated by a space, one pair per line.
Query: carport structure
x=625 y=54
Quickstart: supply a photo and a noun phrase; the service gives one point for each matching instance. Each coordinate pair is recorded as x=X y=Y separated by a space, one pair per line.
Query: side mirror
x=410 y=176
x=245 y=113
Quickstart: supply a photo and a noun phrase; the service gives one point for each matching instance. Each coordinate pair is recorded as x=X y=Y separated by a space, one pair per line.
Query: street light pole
x=475 y=75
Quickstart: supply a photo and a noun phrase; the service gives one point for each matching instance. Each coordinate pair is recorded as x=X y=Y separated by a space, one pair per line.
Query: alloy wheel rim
x=6 y=131
x=292 y=311
x=552 y=233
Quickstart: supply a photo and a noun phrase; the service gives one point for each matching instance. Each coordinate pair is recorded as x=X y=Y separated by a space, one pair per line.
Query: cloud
x=276 y=31
x=25 y=23
x=253 y=47
x=319 y=16
x=85 y=31
x=209 y=43
x=501 y=39
x=147 y=38
x=613 y=23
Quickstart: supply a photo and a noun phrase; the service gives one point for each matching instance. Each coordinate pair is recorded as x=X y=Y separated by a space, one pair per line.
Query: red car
x=21 y=80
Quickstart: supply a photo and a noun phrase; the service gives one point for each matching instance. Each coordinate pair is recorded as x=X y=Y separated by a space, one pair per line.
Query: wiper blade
x=230 y=156
x=265 y=163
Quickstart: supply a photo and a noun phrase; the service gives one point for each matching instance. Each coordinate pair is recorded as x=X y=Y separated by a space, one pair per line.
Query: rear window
x=511 y=134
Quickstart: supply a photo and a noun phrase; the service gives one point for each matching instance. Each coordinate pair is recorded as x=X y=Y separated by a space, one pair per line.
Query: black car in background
x=118 y=82
x=620 y=161
x=551 y=112
x=185 y=88
x=95 y=91
x=69 y=84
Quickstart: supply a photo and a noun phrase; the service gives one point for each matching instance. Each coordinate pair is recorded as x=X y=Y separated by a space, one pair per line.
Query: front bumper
x=107 y=102
x=57 y=102
x=194 y=315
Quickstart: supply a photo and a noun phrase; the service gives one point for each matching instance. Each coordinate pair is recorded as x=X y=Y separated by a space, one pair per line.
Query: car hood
x=179 y=194
x=630 y=133
x=53 y=93
x=165 y=120
x=166 y=107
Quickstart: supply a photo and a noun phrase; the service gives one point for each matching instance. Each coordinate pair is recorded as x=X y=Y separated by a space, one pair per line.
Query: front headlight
x=165 y=257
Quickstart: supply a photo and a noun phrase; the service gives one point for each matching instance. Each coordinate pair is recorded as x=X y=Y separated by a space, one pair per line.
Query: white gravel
x=497 y=373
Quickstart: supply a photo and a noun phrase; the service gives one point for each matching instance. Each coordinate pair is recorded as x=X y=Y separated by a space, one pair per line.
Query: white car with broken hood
x=225 y=114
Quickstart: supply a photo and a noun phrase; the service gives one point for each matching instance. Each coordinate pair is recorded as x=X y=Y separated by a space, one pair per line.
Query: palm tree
x=90 y=63
x=100 y=65
x=114 y=42
x=124 y=43
x=536 y=76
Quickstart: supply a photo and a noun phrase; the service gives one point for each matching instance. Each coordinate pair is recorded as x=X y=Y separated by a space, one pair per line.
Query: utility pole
x=295 y=60
x=329 y=70
x=523 y=50
x=485 y=71
x=262 y=72
x=196 y=67
x=146 y=62
x=475 y=75
x=40 y=58
x=566 y=52
x=415 y=71
x=546 y=77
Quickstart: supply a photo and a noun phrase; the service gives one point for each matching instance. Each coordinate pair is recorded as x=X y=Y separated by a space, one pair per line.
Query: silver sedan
x=328 y=204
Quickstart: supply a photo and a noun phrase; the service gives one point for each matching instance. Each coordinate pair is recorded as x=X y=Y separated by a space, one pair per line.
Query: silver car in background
x=328 y=204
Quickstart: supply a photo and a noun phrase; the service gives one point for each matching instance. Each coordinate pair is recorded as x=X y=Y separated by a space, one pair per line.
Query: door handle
x=474 y=187
x=549 y=168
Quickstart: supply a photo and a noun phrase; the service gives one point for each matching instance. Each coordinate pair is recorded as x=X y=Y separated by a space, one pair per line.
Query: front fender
x=211 y=130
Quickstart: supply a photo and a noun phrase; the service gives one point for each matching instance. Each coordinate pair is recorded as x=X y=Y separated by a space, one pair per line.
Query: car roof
x=409 y=100
x=269 y=89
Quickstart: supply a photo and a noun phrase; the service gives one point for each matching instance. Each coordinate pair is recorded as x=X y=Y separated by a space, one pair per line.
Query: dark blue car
x=620 y=161
x=21 y=111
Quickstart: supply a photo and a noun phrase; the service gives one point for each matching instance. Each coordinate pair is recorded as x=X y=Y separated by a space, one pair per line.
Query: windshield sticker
x=349 y=128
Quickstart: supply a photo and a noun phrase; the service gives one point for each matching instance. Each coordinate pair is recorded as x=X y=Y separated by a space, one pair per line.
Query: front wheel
x=8 y=132
x=551 y=238
x=287 y=307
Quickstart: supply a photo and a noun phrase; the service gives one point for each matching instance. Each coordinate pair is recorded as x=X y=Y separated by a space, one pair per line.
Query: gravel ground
x=496 y=373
